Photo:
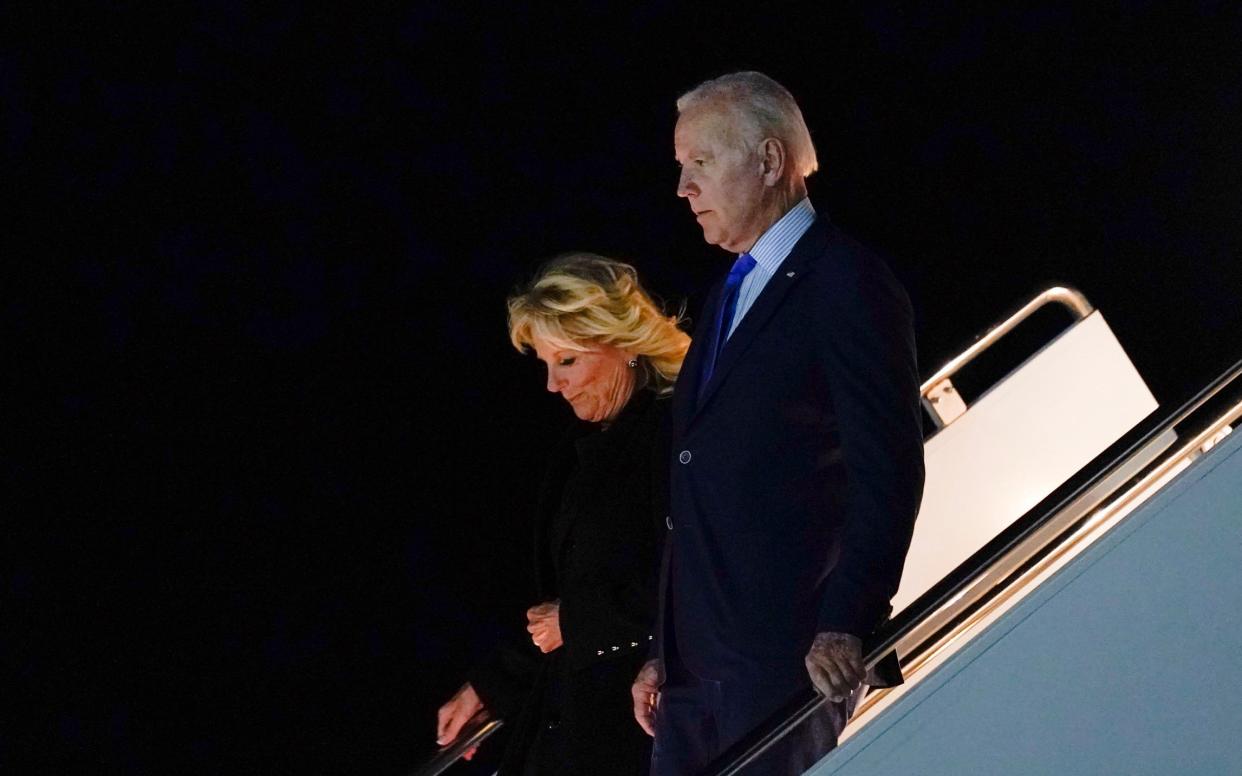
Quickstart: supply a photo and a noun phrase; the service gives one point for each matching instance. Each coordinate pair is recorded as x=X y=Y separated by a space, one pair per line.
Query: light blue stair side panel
x=1127 y=661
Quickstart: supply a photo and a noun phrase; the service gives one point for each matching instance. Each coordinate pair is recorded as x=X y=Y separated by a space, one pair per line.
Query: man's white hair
x=762 y=108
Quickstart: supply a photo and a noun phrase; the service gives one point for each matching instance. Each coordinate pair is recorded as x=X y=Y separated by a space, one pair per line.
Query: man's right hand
x=646 y=692
x=835 y=664
x=460 y=709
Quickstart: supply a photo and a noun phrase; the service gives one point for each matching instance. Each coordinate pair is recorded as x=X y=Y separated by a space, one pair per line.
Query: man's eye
x=567 y=361
x=701 y=162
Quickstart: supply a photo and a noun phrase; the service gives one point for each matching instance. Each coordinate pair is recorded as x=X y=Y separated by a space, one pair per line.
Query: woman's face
x=597 y=382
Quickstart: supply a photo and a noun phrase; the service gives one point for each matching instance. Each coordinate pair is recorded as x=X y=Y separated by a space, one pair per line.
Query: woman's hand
x=545 y=625
x=646 y=693
x=460 y=709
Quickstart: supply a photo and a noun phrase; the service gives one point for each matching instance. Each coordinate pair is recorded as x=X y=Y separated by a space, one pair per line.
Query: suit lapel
x=790 y=272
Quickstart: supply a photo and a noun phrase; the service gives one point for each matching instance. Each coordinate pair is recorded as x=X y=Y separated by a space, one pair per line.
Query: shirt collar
x=776 y=243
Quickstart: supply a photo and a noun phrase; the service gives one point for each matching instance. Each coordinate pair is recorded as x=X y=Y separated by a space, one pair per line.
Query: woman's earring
x=633 y=363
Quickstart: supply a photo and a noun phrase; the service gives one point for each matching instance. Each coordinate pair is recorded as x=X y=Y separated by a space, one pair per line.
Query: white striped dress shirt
x=769 y=251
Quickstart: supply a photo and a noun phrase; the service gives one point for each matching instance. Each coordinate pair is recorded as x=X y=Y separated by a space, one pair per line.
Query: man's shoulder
x=842 y=262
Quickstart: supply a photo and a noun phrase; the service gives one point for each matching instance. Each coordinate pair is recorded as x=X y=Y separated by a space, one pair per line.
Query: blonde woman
x=614 y=356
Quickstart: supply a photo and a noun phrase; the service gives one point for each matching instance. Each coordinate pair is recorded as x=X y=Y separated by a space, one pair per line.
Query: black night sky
x=270 y=457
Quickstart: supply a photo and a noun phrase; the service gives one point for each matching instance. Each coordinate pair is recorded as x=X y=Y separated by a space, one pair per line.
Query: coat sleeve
x=598 y=622
x=505 y=677
x=869 y=357
x=510 y=671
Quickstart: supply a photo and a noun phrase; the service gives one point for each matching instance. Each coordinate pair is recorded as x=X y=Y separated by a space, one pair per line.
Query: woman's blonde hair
x=580 y=298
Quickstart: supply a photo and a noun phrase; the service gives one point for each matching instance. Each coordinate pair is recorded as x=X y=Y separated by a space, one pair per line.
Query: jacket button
x=668 y=520
x=684 y=457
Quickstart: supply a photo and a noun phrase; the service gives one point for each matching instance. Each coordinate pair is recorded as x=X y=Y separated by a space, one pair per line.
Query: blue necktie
x=724 y=315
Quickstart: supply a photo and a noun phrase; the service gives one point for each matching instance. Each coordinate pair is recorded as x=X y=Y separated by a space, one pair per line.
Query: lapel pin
x=789 y=274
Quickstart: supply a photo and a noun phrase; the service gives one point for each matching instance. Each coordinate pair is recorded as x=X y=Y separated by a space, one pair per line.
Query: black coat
x=798 y=472
x=600 y=528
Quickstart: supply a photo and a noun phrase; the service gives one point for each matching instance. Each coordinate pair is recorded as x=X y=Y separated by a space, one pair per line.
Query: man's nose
x=685 y=185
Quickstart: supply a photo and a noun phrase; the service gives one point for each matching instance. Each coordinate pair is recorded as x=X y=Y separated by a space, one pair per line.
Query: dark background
x=271 y=457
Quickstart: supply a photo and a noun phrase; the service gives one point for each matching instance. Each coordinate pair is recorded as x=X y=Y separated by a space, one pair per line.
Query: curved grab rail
x=1069 y=297
x=937 y=392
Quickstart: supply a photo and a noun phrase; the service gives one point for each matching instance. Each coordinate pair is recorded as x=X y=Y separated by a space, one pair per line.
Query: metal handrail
x=939 y=397
x=1099 y=521
x=807 y=702
x=1069 y=297
x=470 y=736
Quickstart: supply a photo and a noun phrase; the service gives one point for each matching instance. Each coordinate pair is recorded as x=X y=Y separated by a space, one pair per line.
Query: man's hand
x=460 y=709
x=835 y=664
x=646 y=692
x=545 y=625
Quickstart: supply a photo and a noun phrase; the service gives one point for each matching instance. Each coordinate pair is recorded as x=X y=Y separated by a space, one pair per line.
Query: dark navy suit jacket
x=797 y=475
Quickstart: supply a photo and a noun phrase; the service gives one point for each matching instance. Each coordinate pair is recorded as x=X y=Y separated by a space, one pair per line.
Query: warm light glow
x=1017 y=444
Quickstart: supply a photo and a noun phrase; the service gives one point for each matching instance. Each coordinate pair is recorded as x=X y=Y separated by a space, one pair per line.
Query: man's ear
x=772 y=159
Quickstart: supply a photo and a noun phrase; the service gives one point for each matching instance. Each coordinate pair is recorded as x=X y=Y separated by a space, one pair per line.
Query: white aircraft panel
x=1019 y=442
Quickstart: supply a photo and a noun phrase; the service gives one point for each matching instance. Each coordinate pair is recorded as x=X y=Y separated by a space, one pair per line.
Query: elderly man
x=798 y=456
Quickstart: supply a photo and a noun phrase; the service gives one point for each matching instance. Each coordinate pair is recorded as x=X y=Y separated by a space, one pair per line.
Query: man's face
x=722 y=182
